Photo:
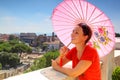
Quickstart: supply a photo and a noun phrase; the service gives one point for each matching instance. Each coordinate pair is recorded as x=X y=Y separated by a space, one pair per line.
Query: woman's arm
x=64 y=60
x=81 y=67
x=63 y=51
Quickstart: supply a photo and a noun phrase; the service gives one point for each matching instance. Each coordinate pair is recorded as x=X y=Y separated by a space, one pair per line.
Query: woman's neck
x=80 y=48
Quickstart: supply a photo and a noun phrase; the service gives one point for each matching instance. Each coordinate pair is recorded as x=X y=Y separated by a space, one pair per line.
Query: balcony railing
x=43 y=74
x=50 y=74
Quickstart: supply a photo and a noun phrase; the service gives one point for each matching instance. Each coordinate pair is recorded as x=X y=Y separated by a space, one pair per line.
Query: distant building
x=53 y=45
x=41 y=38
x=4 y=37
x=29 y=38
x=117 y=44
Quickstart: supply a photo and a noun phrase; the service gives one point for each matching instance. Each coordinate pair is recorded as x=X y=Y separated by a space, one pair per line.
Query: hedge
x=116 y=74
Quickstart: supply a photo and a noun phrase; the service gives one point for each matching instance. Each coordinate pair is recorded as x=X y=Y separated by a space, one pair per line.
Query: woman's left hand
x=54 y=64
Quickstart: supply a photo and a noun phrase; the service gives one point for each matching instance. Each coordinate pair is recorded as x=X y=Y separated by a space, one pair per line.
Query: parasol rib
x=64 y=18
x=81 y=9
x=66 y=39
x=77 y=10
x=67 y=14
x=57 y=30
x=64 y=33
x=96 y=17
x=92 y=13
x=71 y=9
x=67 y=10
x=100 y=21
x=62 y=21
x=86 y=11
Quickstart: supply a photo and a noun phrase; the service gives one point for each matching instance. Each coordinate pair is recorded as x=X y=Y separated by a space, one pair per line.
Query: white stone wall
x=108 y=66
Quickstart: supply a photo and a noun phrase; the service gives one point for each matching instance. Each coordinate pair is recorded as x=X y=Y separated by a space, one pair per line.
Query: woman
x=85 y=59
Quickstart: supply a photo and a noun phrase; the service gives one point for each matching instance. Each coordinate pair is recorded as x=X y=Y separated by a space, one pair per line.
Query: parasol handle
x=68 y=44
x=61 y=60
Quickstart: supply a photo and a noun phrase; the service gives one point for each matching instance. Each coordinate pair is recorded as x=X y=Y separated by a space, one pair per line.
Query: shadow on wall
x=117 y=46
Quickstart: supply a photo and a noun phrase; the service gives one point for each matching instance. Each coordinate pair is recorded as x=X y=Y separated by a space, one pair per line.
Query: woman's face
x=77 y=36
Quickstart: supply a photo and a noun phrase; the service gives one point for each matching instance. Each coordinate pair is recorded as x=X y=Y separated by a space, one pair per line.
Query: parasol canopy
x=69 y=13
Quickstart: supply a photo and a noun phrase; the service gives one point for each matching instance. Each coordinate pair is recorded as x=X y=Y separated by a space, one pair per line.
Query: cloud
x=41 y=27
x=7 y=20
x=12 y=24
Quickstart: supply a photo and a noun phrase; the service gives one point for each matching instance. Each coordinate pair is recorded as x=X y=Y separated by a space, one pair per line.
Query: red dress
x=94 y=71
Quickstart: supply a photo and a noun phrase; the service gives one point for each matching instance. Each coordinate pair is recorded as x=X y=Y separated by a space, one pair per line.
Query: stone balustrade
x=50 y=74
x=12 y=72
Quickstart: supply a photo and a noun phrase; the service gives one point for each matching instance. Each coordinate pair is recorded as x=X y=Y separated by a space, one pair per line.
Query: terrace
x=48 y=73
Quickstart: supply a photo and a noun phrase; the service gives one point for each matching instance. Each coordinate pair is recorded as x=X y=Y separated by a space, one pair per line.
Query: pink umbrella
x=71 y=12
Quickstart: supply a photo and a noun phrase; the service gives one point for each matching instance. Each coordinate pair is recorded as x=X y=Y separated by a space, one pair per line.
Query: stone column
x=107 y=66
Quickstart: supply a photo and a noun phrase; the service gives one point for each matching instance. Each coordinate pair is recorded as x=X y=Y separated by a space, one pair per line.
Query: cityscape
x=31 y=39
x=39 y=44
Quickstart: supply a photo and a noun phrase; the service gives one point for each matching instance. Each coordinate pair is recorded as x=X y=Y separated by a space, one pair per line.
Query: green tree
x=21 y=48
x=4 y=58
x=11 y=59
x=14 y=60
x=13 y=42
x=5 y=46
x=13 y=37
x=117 y=34
x=1 y=42
x=0 y=66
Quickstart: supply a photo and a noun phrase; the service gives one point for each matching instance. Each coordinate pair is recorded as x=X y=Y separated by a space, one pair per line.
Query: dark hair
x=86 y=31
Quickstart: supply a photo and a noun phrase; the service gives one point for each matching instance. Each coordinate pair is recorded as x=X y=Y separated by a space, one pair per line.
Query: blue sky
x=34 y=15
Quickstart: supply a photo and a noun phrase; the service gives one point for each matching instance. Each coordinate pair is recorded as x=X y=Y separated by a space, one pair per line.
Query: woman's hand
x=61 y=60
x=63 y=51
x=54 y=64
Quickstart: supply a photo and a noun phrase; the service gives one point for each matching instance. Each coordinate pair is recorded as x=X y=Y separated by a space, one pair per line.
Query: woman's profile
x=85 y=59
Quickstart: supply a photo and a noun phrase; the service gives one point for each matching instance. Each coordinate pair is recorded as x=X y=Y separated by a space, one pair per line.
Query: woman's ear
x=85 y=37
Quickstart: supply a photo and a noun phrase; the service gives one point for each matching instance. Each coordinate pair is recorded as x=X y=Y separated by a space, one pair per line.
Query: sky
x=18 y=16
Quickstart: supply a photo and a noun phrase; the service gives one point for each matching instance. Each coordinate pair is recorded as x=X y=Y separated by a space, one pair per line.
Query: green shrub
x=14 y=60
x=50 y=55
x=37 y=64
x=0 y=66
x=44 y=61
x=116 y=74
x=11 y=59
x=40 y=63
x=28 y=70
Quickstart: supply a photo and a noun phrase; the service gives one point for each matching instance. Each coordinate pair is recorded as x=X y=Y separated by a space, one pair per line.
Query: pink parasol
x=71 y=12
